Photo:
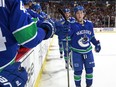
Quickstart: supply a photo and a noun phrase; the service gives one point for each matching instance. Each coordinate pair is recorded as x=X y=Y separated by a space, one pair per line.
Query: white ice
x=55 y=74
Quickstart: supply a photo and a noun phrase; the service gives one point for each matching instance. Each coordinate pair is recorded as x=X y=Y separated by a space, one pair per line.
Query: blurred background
x=101 y=12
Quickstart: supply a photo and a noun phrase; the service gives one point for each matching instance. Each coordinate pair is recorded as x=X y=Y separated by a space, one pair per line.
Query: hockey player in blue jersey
x=61 y=38
x=39 y=18
x=38 y=9
x=60 y=35
x=17 y=28
x=35 y=16
x=82 y=35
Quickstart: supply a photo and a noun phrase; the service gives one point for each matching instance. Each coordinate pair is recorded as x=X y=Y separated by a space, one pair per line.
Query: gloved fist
x=49 y=28
x=98 y=46
x=13 y=76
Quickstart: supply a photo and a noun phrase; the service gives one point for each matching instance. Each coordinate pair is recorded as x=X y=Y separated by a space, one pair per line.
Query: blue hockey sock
x=89 y=76
x=77 y=78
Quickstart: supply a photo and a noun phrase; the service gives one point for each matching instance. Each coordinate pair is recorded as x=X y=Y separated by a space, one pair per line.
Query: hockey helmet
x=37 y=7
x=25 y=2
x=30 y=1
x=66 y=10
x=78 y=8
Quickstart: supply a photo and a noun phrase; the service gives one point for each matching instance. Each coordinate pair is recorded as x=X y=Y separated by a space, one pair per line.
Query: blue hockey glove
x=96 y=43
x=13 y=76
x=97 y=47
x=49 y=28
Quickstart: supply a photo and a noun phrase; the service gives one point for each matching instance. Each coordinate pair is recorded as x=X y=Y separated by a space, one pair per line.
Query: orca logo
x=82 y=43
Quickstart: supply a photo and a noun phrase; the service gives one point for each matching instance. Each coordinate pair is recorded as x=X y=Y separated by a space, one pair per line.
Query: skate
x=88 y=86
x=61 y=55
x=66 y=66
x=71 y=65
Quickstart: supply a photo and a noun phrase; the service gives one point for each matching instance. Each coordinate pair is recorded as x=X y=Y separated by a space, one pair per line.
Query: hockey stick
x=67 y=54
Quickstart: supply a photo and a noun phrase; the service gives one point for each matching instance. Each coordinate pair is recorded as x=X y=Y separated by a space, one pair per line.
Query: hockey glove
x=13 y=76
x=96 y=43
x=49 y=28
x=97 y=47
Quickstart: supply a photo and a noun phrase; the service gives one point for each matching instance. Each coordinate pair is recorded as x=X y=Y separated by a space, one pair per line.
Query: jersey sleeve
x=23 y=27
x=89 y=25
x=93 y=39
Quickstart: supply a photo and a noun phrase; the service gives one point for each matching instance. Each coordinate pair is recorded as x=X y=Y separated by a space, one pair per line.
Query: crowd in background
x=102 y=14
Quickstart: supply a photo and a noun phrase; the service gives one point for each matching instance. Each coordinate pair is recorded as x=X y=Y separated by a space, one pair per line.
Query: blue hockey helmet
x=66 y=10
x=37 y=7
x=25 y=2
x=30 y=1
x=78 y=8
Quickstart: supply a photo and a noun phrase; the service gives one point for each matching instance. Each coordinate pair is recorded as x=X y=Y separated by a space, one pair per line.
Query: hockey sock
x=89 y=76
x=77 y=78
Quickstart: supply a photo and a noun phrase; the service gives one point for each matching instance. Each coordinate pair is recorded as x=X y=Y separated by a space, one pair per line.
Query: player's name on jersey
x=2 y=3
x=83 y=32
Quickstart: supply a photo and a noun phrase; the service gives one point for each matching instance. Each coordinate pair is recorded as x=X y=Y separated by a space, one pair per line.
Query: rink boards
x=105 y=30
x=34 y=60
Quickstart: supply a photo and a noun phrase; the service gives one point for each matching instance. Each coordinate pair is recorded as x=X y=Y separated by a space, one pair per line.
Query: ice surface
x=55 y=74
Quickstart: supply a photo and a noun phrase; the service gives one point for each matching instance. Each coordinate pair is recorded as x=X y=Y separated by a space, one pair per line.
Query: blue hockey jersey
x=81 y=35
x=16 y=27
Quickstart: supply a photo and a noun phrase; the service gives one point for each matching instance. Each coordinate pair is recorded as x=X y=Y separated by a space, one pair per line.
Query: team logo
x=83 y=41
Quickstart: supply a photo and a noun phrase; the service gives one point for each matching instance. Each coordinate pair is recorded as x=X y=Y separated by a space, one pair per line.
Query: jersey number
x=2 y=3
x=22 y=7
x=2 y=42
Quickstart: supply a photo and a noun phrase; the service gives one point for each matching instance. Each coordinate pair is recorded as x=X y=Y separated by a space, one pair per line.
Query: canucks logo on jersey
x=84 y=41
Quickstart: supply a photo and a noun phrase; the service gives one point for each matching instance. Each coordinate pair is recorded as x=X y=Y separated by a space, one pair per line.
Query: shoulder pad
x=88 y=21
x=73 y=21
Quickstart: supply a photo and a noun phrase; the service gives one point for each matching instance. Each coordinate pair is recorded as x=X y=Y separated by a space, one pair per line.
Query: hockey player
x=34 y=13
x=30 y=11
x=17 y=28
x=82 y=35
x=61 y=38
x=42 y=14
